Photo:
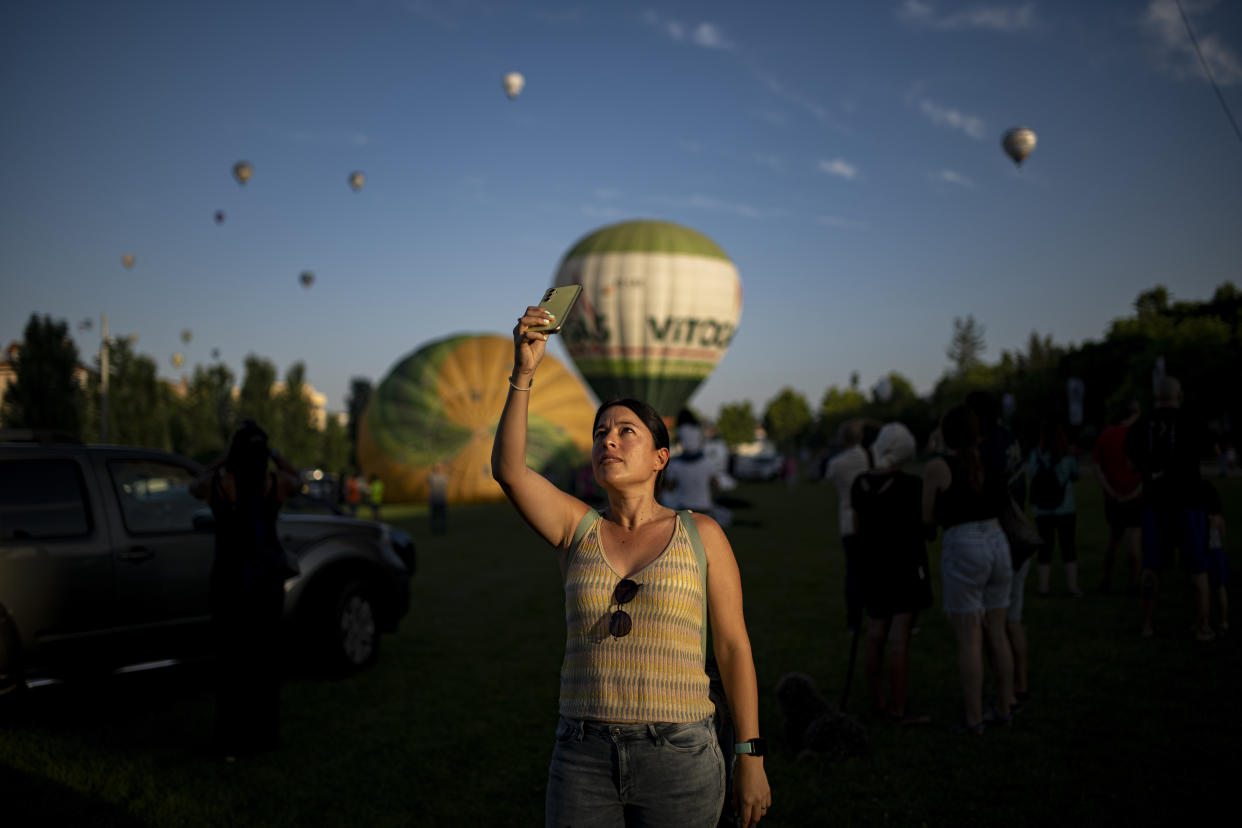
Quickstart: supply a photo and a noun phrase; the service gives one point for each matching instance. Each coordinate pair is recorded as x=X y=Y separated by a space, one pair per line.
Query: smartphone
x=560 y=301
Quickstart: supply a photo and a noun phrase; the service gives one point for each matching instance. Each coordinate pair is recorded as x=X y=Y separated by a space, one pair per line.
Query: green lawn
x=454 y=724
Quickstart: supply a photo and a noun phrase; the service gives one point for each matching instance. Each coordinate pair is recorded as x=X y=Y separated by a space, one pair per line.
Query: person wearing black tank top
x=975 y=567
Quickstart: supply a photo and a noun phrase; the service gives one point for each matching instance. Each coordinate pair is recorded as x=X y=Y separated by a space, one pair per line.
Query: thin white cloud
x=607 y=193
x=709 y=36
x=448 y=13
x=770 y=116
x=953 y=177
x=689 y=145
x=719 y=205
x=559 y=17
x=838 y=167
x=1175 y=54
x=841 y=223
x=604 y=211
x=941 y=115
x=706 y=34
x=981 y=16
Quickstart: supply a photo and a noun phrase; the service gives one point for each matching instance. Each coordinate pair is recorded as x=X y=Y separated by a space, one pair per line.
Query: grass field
x=454 y=724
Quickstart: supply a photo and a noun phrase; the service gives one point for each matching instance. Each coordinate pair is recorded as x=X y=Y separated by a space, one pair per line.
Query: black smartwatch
x=751 y=747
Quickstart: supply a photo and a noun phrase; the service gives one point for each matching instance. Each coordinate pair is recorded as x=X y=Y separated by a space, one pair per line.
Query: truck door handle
x=136 y=554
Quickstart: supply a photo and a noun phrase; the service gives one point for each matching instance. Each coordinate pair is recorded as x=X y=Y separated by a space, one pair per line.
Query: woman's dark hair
x=1052 y=438
x=247 y=461
x=650 y=418
x=960 y=428
x=986 y=409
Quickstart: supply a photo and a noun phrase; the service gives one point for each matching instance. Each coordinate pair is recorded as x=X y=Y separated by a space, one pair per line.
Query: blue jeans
x=627 y=775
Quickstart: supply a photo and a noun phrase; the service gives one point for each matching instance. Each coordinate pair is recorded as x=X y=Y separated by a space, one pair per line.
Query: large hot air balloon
x=356 y=180
x=513 y=83
x=242 y=171
x=1018 y=144
x=442 y=402
x=659 y=307
x=307 y=279
x=128 y=260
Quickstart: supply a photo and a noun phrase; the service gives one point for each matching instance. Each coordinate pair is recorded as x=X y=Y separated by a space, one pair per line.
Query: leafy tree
x=334 y=445
x=207 y=414
x=293 y=430
x=255 y=401
x=965 y=349
x=787 y=418
x=356 y=403
x=140 y=405
x=736 y=423
x=45 y=393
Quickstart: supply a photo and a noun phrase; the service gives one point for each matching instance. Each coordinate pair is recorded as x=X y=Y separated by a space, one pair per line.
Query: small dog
x=813 y=726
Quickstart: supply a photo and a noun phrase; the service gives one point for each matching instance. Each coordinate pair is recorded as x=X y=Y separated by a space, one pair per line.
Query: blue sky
x=845 y=155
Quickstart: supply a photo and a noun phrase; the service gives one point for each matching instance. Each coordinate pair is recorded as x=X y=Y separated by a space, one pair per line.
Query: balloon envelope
x=307 y=278
x=513 y=83
x=128 y=260
x=219 y=217
x=177 y=359
x=242 y=171
x=187 y=335
x=1018 y=143
x=356 y=180
x=659 y=307
x=442 y=403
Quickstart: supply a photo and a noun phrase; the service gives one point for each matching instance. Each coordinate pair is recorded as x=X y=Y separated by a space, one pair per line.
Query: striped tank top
x=654 y=674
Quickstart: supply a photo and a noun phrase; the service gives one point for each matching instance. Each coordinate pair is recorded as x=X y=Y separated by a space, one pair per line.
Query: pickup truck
x=105 y=559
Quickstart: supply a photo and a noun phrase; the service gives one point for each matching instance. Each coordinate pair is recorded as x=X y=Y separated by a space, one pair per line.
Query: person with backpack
x=1165 y=446
x=1053 y=471
x=636 y=742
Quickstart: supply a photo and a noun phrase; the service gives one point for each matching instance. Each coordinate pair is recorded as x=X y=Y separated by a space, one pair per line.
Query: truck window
x=42 y=500
x=155 y=497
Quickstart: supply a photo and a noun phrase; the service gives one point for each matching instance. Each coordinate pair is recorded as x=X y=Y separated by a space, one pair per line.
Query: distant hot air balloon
x=187 y=335
x=356 y=180
x=1018 y=144
x=513 y=83
x=242 y=171
x=659 y=307
x=215 y=353
x=177 y=359
x=220 y=217
x=85 y=324
x=441 y=404
x=307 y=279
x=128 y=260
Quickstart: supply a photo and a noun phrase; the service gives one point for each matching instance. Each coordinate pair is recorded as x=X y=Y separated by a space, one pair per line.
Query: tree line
x=196 y=419
x=1199 y=342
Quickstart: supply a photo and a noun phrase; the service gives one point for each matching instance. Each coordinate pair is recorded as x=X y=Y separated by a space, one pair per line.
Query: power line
x=1207 y=70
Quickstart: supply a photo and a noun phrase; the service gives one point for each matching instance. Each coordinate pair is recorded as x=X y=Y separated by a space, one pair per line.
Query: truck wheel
x=353 y=634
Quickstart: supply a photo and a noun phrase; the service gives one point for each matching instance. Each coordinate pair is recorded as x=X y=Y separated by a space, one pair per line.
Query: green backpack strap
x=700 y=557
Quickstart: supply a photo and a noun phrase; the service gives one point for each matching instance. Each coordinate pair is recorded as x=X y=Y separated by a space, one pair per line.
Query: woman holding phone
x=635 y=745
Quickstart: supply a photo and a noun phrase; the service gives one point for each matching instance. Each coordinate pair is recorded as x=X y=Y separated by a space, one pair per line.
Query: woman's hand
x=529 y=346
x=751 y=795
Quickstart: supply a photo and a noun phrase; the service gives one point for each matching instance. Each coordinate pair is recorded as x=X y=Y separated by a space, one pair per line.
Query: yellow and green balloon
x=441 y=404
x=660 y=305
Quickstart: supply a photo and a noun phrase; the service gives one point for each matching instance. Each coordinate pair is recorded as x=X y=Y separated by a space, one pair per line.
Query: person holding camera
x=635 y=744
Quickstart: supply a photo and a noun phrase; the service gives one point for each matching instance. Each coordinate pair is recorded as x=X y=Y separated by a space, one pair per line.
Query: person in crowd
x=1217 y=564
x=247 y=588
x=1003 y=461
x=1165 y=445
x=353 y=493
x=375 y=494
x=975 y=568
x=689 y=478
x=1123 y=505
x=437 y=498
x=843 y=469
x=888 y=522
x=635 y=744
x=1054 y=469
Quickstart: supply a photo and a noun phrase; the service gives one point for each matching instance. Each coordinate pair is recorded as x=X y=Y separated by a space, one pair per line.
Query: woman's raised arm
x=550 y=512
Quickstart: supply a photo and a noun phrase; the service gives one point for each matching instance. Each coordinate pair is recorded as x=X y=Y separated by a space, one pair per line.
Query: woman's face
x=623 y=450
